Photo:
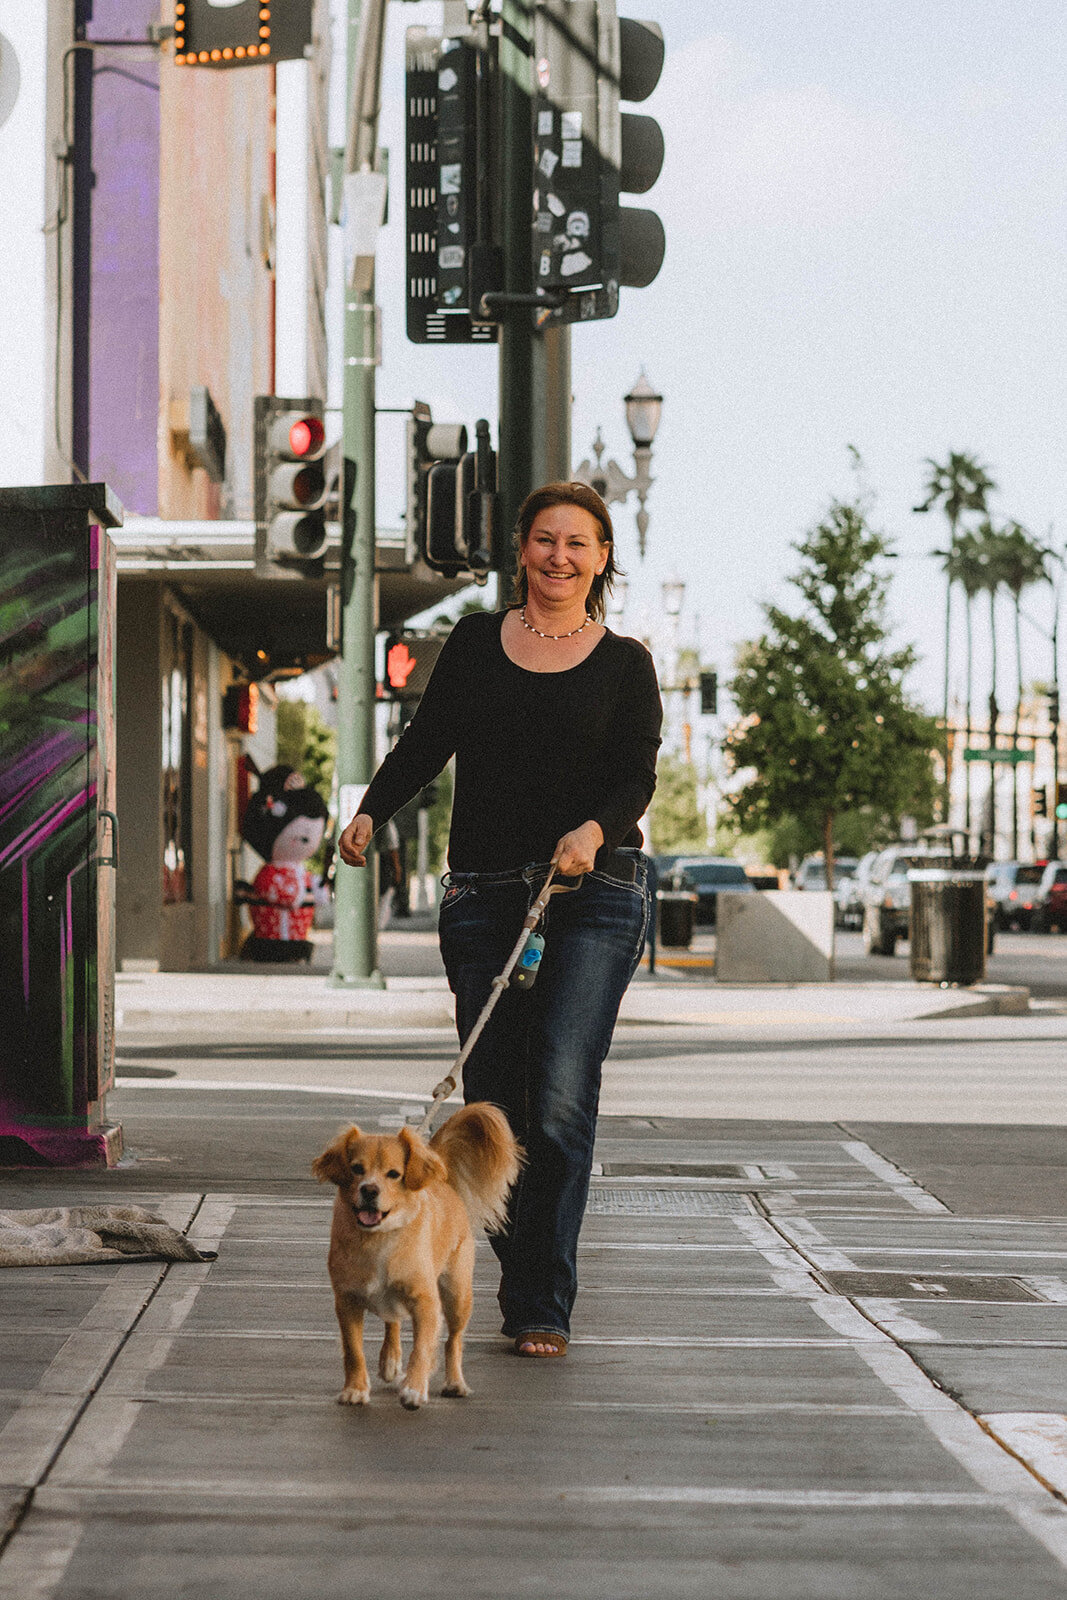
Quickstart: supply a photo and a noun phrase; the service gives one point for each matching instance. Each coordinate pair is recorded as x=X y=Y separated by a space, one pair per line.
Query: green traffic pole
x=355 y=942
x=522 y=353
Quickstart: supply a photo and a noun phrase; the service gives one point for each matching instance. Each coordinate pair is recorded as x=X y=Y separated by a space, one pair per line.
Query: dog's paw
x=390 y=1368
x=354 y=1397
x=456 y=1391
x=411 y=1399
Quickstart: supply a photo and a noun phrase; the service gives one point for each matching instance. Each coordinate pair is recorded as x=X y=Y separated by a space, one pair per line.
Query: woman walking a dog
x=554 y=722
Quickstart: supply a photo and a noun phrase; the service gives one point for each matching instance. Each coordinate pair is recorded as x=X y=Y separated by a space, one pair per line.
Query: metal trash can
x=676 y=909
x=948 y=925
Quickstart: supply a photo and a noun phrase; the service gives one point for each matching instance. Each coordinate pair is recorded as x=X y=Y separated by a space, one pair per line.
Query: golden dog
x=402 y=1242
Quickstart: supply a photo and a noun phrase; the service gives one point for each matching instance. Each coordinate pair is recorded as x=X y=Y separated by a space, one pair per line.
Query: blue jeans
x=540 y=1056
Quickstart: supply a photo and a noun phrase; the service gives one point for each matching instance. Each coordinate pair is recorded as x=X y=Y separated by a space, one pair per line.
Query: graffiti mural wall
x=57 y=838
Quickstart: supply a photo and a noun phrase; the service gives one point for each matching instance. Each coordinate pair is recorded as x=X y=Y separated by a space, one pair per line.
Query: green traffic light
x=1061 y=812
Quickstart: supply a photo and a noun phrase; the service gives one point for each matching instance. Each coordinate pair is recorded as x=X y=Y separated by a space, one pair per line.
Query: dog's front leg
x=425 y=1309
x=390 y=1359
x=356 y=1391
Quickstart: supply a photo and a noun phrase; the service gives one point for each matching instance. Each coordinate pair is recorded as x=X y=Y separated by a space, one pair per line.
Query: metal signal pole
x=356 y=901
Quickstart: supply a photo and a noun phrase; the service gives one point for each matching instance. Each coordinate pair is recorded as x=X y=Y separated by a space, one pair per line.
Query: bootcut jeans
x=540 y=1056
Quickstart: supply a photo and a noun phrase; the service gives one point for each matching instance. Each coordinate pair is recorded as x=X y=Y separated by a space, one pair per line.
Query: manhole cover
x=927 y=1286
x=673 y=1169
x=666 y=1203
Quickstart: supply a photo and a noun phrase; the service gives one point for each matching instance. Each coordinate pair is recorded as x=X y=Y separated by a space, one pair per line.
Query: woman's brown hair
x=568 y=494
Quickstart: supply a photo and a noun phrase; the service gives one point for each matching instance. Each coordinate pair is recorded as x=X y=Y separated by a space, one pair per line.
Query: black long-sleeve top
x=537 y=753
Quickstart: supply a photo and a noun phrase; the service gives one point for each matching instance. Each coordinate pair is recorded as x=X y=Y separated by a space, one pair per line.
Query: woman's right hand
x=352 y=845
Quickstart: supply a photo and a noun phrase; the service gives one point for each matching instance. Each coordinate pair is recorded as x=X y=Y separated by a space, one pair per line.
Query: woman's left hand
x=577 y=850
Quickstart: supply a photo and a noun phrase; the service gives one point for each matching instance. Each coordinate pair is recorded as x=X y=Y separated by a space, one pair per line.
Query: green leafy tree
x=824 y=723
x=307 y=743
x=677 y=823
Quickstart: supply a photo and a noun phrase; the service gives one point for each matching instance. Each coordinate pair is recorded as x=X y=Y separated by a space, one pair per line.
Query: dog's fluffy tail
x=483 y=1161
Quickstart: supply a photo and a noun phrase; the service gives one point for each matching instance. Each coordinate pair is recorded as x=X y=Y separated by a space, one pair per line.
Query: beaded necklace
x=531 y=629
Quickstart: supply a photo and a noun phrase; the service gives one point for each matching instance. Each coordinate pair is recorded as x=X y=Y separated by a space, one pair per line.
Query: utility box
x=58 y=834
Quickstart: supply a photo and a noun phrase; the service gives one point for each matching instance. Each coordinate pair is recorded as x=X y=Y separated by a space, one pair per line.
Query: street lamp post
x=673 y=592
x=644 y=408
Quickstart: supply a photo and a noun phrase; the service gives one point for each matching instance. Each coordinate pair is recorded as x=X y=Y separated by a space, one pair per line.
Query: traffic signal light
x=586 y=151
x=461 y=510
x=1061 y=799
x=290 y=486
x=709 y=693
x=410 y=657
x=642 y=242
x=430 y=445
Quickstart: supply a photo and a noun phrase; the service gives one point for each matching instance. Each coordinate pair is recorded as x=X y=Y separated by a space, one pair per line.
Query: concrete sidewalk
x=795 y=1375
x=281 y=1001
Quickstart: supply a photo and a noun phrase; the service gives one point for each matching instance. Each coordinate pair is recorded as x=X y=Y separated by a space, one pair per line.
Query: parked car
x=887 y=895
x=707 y=875
x=811 y=874
x=1050 y=901
x=1013 y=890
x=848 y=893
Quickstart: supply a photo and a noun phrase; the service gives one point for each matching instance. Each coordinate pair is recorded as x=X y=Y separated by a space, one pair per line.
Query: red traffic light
x=307 y=436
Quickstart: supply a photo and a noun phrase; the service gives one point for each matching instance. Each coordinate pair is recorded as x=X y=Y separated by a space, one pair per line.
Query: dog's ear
x=422 y=1162
x=332 y=1166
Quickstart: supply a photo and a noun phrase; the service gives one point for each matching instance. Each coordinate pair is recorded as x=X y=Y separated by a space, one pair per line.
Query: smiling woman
x=554 y=723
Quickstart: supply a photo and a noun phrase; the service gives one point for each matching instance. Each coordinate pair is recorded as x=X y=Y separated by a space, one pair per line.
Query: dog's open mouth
x=370 y=1219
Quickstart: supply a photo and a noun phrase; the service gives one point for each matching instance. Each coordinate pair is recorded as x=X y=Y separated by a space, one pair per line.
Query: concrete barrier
x=775 y=936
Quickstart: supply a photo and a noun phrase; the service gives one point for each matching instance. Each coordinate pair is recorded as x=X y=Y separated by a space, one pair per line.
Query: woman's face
x=562 y=554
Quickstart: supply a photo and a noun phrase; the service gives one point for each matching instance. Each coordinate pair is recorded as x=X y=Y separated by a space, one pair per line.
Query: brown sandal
x=556 y=1341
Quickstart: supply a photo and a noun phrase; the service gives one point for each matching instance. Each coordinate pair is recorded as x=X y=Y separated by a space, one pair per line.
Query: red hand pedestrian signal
x=399 y=665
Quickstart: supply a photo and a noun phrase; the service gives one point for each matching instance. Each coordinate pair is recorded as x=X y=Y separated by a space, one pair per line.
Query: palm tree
x=961 y=484
x=1022 y=563
x=963 y=564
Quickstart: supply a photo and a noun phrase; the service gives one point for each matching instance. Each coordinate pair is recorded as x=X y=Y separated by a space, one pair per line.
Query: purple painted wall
x=124 y=328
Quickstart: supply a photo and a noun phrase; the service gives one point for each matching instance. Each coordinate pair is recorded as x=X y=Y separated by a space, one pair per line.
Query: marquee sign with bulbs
x=241 y=33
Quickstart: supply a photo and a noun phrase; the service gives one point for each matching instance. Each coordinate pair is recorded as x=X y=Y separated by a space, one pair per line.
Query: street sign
x=1014 y=757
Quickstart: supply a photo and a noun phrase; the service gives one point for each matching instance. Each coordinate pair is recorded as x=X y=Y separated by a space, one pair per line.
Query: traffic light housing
x=1061 y=799
x=430 y=445
x=1040 y=802
x=451 y=495
x=290 y=486
x=642 y=243
x=461 y=511
x=410 y=657
x=709 y=694
x=586 y=152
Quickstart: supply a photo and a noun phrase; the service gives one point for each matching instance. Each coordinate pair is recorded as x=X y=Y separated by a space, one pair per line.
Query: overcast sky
x=866 y=240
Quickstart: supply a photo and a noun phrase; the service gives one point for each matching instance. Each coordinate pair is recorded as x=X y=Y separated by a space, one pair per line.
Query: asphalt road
x=1038 y=960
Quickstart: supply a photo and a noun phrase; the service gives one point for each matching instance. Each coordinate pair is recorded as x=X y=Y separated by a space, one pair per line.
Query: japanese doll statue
x=284 y=823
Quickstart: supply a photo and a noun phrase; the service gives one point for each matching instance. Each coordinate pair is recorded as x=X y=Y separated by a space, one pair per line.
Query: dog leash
x=500 y=983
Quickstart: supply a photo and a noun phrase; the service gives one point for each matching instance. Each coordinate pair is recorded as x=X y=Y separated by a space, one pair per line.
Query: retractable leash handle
x=500 y=983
